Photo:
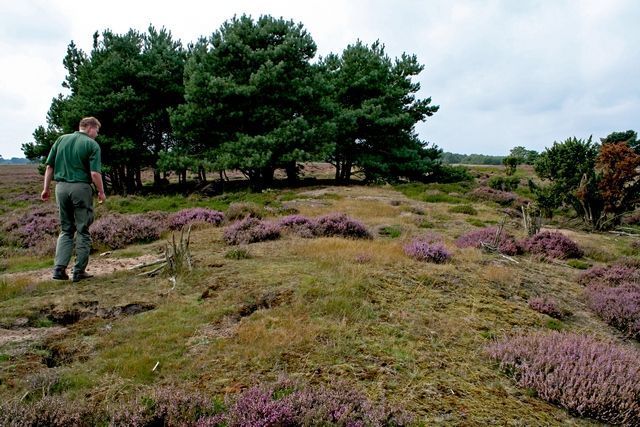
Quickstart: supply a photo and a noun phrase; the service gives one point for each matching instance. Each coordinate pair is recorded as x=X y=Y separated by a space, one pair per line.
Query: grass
x=312 y=309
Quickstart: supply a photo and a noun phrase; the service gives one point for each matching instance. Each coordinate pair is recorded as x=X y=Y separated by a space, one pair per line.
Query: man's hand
x=45 y=195
x=101 y=197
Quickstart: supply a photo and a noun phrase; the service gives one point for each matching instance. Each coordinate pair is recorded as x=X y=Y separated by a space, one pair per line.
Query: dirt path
x=98 y=266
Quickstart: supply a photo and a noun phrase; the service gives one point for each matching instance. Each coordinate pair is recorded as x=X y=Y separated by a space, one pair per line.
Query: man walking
x=74 y=163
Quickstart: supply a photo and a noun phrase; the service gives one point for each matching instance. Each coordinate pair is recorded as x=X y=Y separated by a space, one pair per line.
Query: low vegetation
x=408 y=303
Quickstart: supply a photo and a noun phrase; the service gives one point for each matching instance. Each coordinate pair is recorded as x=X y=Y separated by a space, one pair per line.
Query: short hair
x=90 y=122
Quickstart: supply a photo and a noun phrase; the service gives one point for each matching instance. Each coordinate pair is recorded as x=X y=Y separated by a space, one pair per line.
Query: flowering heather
x=340 y=225
x=166 y=406
x=250 y=230
x=50 y=411
x=298 y=224
x=277 y=405
x=117 y=231
x=546 y=305
x=552 y=245
x=611 y=275
x=498 y=196
x=588 y=377
x=507 y=244
x=618 y=306
x=195 y=215
x=427 y=250
x=33 y=230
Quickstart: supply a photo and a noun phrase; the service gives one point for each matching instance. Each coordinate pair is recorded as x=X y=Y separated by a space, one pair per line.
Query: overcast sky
x=505 y=73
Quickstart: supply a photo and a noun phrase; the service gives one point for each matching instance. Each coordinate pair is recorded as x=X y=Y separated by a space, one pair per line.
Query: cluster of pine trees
x=250 y=98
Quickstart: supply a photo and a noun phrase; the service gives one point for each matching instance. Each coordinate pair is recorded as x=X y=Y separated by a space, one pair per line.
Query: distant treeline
x=471 y=159
x=13 y=161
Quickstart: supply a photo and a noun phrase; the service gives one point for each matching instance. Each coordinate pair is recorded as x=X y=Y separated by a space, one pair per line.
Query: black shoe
x=81 y=275
x=60 y=274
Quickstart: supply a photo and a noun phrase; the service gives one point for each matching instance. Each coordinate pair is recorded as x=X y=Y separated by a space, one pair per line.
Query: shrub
x=546 y=305
x=498 y=196
x=588 y=377
x=506 y=243
x=502 y=183
x=241 y=210
x=285 y=404
x=48 y=411
x=618 y=306
x=250 y=230
x=611 y=275
x=393 y=231
x=298 y=224
x=340 y=225
x=117 y=231
x=240 y=253
x=552 y=245
x=195 y=215
x=464 y=209
x=164 y=406
x=35 y=230
x=427 y=250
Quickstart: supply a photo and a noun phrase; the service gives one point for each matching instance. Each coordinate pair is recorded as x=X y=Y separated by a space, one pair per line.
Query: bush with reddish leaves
x=590 y=378
x=507 y=244
x=546 y=305
x=340 y=225
x=618 y=306
x=611 y=275
x=552 y=245
x=428 y=248
x=194 y=215
x=117 y=231
x=250 y=230
x=298 y=225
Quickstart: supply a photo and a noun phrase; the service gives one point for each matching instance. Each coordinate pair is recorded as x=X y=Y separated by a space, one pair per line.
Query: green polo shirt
x=73 y=157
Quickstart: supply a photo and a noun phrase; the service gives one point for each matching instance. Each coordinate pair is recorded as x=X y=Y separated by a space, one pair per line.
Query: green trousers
x=75 y=205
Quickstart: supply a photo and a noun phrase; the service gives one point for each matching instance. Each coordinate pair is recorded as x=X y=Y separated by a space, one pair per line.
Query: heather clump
x=285 y=404
x=552 y=245
x=546 y=305
x=506 y=243
x=618 y=306
x=50 y=411
x=117 y=231
x=34 y=230
x=590 y=378
x=298 y=224
x=611 y=275
x=427 y=248
x=194 y=215
x=340 y=225
x=164 y=406
x=250 y=230
x=490 y=194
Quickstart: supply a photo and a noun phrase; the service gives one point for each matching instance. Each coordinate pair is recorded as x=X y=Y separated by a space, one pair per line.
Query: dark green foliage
x=250 y=95
x=527 y=157
x=471 y=159
x=510 y=164
x=630 y=137
x=570 y=168
x=128 y=81
x=504 y=183
x=372 y=110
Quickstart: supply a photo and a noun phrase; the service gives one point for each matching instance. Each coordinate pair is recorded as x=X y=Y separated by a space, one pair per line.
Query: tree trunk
x=292 y=172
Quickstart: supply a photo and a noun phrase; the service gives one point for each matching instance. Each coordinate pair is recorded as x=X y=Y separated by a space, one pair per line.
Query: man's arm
x=96 y=177
x=48 y=176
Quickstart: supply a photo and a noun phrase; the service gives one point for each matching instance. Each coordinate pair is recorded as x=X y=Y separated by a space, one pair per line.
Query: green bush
x=502 y=183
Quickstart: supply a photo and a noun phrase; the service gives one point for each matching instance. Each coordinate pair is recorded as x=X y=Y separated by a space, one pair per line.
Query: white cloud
x=505 y=73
